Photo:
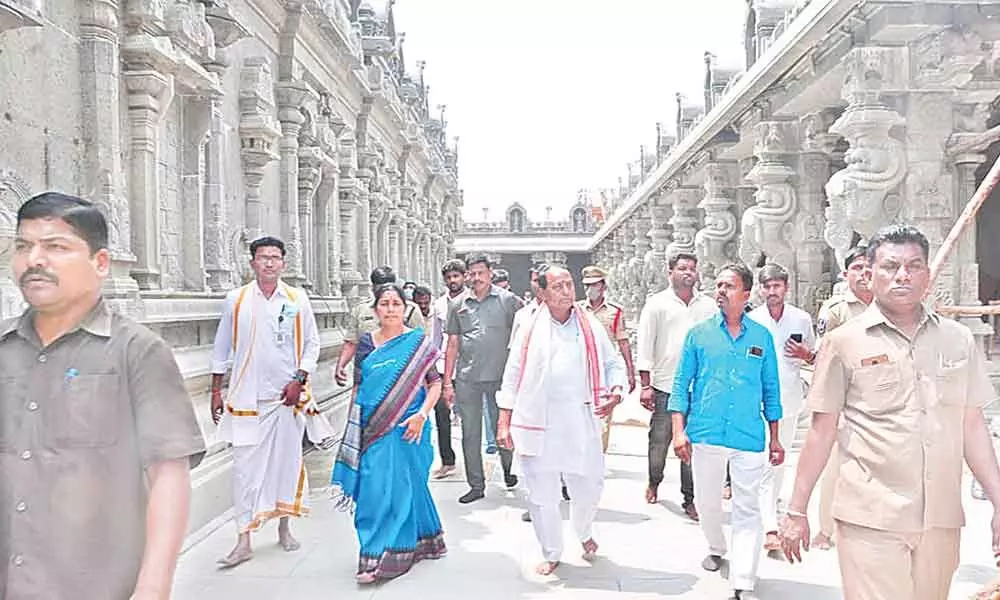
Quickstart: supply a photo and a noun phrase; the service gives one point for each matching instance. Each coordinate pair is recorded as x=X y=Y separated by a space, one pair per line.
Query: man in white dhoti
x=268 y=335
x=563 y=374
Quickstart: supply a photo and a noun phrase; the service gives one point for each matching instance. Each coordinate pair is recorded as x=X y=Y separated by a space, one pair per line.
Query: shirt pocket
x=85 y=412
x=878 y=387
x=468 y=321
x=952 y=383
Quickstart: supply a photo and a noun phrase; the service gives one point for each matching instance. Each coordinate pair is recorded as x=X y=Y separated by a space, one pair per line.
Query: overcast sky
x=549 y=96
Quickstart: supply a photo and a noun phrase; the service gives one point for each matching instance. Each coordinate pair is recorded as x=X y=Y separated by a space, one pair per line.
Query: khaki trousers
x=884 y=565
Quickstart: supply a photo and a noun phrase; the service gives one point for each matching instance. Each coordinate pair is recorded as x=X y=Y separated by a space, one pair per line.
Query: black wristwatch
x=300 y=377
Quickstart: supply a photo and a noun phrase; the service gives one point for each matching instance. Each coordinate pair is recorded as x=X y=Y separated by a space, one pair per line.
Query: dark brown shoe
x=691 y=512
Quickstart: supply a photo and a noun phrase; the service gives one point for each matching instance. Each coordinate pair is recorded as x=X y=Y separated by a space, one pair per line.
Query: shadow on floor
x=606 y=575
x=780 y=589
x=979 y=574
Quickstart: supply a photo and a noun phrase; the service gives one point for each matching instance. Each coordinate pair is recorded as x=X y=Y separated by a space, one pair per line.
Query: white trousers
x=544 y=497
x=708 y=466
x=774 y=477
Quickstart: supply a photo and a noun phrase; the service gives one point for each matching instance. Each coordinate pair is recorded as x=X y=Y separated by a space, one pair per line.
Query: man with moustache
x=727 y=387
x=562 y=375
x=478 y=329
x=453 y=273
x=908 y=388
x=98 y=431
x=792 y=330
x=836 y=311
x=663 y=323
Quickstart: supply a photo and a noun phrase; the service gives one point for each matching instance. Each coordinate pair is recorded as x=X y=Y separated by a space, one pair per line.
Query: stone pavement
x=646 y=551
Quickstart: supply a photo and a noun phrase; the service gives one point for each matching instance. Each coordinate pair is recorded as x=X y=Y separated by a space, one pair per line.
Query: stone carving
x=13 y=193
x=715 y=243
x=876 y=161
x=766 y=228
x=258 y=134
x=20 y=13
x=948 y=57
x=188 y=29
x=684 y=220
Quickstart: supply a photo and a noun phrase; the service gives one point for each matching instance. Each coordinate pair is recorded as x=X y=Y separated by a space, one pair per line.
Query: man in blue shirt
x=726 y=386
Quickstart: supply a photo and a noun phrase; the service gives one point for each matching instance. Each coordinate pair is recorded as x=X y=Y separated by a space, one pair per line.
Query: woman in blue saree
x=386 y=455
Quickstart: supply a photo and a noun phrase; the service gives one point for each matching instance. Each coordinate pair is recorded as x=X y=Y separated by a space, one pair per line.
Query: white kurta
x=571 y=447
x=793 y=320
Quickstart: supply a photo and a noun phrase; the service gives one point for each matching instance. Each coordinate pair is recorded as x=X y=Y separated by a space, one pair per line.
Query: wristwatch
x=301 y=378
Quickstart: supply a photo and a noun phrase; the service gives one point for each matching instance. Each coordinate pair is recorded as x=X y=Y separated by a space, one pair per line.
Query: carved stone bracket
x=685 y=219
x=715 y=243
x=766 y=228
x=862 y=196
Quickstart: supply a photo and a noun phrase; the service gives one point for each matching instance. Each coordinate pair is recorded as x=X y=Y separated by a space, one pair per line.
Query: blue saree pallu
x=381 y=477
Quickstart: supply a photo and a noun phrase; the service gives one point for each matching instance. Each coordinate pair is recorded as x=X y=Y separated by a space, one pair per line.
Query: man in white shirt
x=792 y=331
x=663 y=324
x=453 y=273
x=268 y=335
x=562 y=375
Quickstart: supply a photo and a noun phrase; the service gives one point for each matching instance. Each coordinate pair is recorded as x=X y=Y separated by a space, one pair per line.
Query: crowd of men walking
x=97 y=432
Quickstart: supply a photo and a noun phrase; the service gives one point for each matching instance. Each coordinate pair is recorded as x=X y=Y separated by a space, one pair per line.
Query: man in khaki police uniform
x=834 y=312
x=910 y=387
x=363 y=320
x=612 y=316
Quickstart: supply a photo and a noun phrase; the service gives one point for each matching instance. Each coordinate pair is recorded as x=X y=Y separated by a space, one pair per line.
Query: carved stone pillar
x=965 y=252
x=101 y=166
x=410 y=248
x=327 y=228
x=291 y=96
x=685 y=221
x=766 y=226
x=258 y=135
x=641 y=243
x=656 y=259
x=864 y=196
x=813 y=171
x=149 y=93
x=349 y=275
x=310 y=172
x=397 y=218
x=715 y=243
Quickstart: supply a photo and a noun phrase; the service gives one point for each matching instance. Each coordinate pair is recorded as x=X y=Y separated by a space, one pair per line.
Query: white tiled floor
x=646 y=551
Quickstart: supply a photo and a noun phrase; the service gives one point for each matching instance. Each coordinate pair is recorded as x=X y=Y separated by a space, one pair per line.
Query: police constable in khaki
x=909 y=387
x=363 y=320
x=612 y=316
x=836 y=311
x=98 y=432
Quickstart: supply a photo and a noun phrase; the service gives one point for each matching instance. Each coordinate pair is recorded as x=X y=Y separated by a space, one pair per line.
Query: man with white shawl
x=268 y=335
x=562 y=375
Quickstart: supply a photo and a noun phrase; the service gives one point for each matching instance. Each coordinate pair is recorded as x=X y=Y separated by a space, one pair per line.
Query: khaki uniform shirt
x=364 y=320
x=612 y=316
x=837 y=310
x=82 y=419
x=902 y=404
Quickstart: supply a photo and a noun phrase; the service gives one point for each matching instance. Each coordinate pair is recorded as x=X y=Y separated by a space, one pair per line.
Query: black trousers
x=442 y=419
x=661 y=434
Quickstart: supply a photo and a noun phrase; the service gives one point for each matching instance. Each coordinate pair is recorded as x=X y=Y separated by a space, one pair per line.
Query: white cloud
x=549 y=96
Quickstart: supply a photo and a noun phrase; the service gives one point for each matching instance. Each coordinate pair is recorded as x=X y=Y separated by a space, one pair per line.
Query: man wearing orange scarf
x=562 y=375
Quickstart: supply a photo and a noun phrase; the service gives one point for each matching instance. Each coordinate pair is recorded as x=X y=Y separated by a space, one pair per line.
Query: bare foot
x=822 y=542
x=287 y=542
x=365 y=578
x=238 y=556
x=651 y=496
x=547 y=567
x=589 y=550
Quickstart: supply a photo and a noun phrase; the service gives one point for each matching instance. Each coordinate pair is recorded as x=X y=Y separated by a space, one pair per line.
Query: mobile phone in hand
x=796 y=337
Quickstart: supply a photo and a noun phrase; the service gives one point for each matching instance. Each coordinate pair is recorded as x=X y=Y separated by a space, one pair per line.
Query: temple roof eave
x=808 y=29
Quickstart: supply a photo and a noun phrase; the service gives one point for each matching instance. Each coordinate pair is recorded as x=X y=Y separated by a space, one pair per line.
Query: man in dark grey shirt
x=478 y=328
x=97 y=432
